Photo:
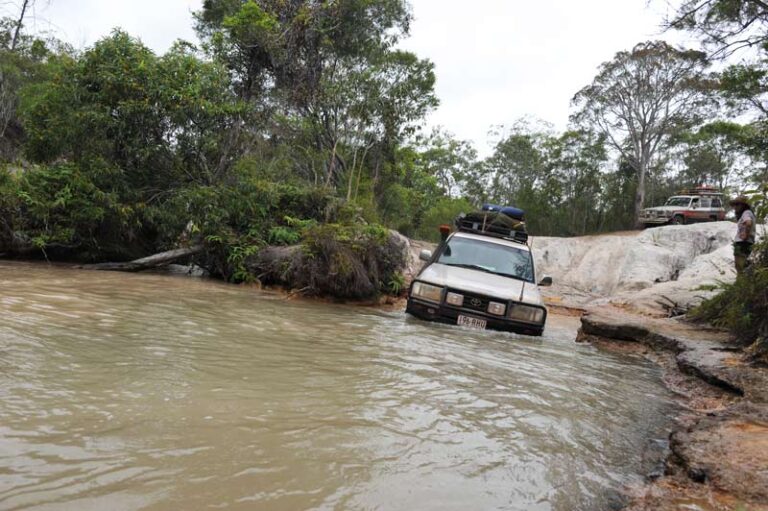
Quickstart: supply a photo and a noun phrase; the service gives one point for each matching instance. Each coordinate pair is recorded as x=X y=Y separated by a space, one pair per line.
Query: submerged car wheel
x=678 y=220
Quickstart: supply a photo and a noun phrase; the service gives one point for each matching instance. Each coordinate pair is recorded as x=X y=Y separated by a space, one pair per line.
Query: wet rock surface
x=719 y=453
x=662 y=271
x=728 y=451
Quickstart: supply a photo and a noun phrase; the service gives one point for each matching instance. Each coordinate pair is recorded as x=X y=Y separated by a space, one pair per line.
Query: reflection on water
x=127 y=392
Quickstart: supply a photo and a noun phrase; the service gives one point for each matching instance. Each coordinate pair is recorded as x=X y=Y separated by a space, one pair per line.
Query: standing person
x=745 y=232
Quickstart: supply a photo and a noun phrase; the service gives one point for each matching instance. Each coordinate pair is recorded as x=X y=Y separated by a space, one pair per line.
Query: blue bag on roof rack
x=493 y=223
x=512 y=212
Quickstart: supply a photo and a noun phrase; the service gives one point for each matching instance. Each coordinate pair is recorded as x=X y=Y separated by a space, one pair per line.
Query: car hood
x=482 y=283
x=666 y=208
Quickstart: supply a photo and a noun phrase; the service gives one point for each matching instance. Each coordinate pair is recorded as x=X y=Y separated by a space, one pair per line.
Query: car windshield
x=679 y=202
x=488 y=257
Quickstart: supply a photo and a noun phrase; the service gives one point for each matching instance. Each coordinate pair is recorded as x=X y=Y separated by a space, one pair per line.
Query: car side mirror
x=425 y=255
x=546 y=281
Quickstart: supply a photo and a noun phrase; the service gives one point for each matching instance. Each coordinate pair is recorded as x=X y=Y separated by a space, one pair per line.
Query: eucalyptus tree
x=727 y=26
x=24 y=8
x=290 y=44
x=578 y=159
x=712 y=154
x=642 y=97
x=449 y=160
x=23 y=59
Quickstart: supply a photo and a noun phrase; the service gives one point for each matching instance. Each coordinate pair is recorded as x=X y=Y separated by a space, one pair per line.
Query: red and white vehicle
x=703 y=204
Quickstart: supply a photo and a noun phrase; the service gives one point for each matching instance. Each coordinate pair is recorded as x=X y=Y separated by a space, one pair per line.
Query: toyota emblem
x=476 y=302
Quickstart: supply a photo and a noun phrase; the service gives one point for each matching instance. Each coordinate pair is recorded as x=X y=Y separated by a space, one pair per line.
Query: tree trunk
x=19 y=24
x=146 y=263
x=351 y=176
x=640 y=194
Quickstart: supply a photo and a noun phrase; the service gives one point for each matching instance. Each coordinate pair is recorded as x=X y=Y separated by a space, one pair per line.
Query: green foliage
x=353 y=261
x=60 y=208
x=742 y=307
x=281 y=235
x=238 y=219
x=444 y=211
x=156 y=120
x=9 y=207
x=260 y=39
x=396 y=284
x=759 y=201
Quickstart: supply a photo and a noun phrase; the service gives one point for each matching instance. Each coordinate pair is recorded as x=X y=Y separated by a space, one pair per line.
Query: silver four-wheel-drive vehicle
x=480 y=279
x=702 y=204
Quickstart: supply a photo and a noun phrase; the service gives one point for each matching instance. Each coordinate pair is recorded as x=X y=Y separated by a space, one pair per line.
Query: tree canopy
x=298 y=113
x=640 y=98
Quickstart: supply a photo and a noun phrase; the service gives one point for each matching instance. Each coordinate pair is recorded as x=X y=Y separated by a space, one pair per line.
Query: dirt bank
x=719 y=450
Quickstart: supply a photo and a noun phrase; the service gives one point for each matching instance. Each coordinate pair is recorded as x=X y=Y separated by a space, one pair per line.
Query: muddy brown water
x=128 y=392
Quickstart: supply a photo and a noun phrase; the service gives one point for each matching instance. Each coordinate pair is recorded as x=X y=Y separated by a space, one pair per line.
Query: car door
x=697 y=213
x=717 y=208
x=704 y=213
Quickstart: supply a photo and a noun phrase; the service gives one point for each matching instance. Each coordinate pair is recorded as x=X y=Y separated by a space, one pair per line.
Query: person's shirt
x=746 y=228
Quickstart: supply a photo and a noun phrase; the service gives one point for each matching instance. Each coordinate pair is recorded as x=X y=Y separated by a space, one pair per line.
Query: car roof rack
x=701 y=190
x=475 y=227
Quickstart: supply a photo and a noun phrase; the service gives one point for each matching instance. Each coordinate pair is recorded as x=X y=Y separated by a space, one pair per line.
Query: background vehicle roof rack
x=701 y=190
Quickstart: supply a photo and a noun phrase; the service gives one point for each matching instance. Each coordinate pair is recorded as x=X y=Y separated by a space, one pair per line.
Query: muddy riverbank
x=719 y=445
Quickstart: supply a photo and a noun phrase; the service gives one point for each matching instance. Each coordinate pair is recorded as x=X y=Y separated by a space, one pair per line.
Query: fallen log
x=146 y=263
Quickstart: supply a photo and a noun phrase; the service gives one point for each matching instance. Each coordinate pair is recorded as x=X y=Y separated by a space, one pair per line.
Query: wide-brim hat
x=741 y=199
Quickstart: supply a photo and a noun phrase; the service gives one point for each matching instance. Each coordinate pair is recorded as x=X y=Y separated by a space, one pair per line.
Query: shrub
x=354 y=261
x=9 y=208
x=60 y=209
x=742 y=307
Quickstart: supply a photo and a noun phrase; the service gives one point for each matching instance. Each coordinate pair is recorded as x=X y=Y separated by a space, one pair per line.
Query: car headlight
x=427 y=292
x=497 y=309
x=454 y=299
x=526 y=314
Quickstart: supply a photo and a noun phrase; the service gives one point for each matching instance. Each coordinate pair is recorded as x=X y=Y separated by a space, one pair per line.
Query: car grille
x=475 y=302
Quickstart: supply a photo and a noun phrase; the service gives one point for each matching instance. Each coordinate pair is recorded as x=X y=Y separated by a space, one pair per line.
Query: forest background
x=301 y=120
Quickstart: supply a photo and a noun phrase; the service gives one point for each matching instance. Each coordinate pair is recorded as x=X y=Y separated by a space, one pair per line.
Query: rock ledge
x=719 y=454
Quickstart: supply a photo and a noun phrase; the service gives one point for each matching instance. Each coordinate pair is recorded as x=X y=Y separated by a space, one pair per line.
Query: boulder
x=662 y=271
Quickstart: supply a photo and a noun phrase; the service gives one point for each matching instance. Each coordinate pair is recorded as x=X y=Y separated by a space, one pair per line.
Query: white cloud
x=158 y=23
x=497 y=60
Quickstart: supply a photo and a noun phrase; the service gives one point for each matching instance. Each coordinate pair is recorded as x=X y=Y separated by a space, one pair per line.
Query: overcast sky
x=497 y=60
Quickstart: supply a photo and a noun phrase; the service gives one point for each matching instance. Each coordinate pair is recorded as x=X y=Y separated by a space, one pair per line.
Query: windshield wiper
x=472 y=267
x=516 y=277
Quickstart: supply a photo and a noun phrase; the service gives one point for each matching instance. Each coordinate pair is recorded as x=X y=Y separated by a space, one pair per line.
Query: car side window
x=716 y=203
x=706 y=202
x=679 y=202
x=695 y=203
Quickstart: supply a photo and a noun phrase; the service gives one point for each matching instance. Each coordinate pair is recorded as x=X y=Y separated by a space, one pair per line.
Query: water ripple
x=153 y=392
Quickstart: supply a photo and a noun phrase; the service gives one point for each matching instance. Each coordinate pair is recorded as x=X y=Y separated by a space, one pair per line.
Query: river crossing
x=155 y=392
